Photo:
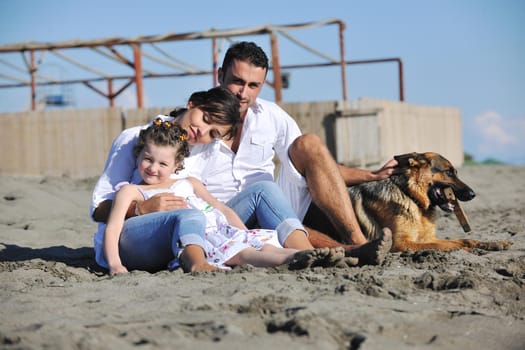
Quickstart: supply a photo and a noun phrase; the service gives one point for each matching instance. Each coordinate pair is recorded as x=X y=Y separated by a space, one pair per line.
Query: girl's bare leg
x=278 y=250
x=266 y=257
x=271 y=256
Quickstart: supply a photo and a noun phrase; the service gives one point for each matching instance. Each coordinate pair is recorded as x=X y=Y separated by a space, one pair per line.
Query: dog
x=407 y=203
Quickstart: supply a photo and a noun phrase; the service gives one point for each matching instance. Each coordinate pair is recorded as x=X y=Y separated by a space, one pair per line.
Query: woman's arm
x=119 y=167
x=123 y=198
x=202 y=193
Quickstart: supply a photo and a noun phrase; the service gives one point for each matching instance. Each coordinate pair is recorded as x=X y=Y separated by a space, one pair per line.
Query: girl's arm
x=123 y=198
x=202 y=192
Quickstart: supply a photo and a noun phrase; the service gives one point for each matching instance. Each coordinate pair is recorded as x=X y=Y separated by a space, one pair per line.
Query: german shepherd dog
x=406 y=203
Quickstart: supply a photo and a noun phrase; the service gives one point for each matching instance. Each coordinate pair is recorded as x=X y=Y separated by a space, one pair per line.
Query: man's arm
x=354 y=176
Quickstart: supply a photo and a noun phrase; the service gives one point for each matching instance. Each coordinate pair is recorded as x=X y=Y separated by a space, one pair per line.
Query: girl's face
x=156 y=163
x=195 y=122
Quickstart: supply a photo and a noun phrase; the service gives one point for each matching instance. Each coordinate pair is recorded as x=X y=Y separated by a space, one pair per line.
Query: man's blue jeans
x=264 y=203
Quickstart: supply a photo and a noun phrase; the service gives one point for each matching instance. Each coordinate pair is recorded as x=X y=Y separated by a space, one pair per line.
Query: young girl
x=150 y=242
x=160 y=152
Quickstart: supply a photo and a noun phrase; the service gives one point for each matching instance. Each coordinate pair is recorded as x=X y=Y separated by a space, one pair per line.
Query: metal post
x=215 y=59
x=111 y=97
x=401 y=83
x=137 y=57
x=276 y=66
x=343 y=61
x=33 y=80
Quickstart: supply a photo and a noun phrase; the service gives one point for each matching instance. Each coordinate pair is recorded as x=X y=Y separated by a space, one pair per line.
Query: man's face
x=244 y=80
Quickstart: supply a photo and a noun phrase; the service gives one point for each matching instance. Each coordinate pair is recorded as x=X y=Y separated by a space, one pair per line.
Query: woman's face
x=194 y=121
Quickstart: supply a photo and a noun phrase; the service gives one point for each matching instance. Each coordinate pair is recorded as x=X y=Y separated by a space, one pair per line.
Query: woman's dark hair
x=164 y=133
x=245 y=51
x=219 y=106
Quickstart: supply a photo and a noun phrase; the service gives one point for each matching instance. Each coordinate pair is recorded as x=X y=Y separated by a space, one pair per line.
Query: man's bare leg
x=192 y=259
x=319 y=239
x=313 y=160
x=373 y=252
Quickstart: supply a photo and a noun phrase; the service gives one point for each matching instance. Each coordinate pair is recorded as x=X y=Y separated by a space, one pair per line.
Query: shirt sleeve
x=287 y=131
x=119 y=167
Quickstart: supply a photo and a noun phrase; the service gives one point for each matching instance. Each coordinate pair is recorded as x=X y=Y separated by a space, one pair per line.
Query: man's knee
x=262 y=187
x=306 y=149
x=306 y=143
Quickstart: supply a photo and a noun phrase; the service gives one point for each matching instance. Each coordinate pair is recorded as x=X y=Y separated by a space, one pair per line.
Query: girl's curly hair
x=164 y=133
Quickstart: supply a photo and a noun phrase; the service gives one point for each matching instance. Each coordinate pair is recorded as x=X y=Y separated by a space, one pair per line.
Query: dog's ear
x=406 y=160
x=411 y=160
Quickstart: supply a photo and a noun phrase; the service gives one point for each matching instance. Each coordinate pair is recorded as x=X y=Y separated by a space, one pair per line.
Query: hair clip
x=183 y=137
x=157 y=122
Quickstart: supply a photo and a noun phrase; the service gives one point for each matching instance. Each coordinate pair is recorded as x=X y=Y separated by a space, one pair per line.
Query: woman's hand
x=161 y=202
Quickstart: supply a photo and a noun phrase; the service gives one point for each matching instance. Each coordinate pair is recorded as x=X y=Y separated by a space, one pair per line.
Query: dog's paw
x=494 y=246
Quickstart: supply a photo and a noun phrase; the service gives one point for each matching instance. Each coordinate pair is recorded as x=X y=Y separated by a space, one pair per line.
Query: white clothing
x=121 y=165
x=267 y=131
x=223 y=240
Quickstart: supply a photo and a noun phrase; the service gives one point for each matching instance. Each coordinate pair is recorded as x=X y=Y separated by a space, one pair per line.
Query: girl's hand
x=114 y=270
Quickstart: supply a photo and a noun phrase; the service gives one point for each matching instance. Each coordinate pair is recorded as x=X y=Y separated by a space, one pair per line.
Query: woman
x=209 y=115
x=160 y=152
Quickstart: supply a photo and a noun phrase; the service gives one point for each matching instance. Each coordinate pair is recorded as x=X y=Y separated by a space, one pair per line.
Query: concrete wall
x=365 y=132
x=403 y=128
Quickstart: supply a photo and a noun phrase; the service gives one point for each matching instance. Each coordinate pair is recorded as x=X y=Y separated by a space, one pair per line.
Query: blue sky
x=468 y=54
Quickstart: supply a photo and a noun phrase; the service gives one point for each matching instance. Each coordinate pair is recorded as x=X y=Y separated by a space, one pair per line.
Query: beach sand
x=54 y=297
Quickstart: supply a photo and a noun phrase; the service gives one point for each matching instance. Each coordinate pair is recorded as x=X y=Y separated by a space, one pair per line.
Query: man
x=308 y=171
x=209 y=115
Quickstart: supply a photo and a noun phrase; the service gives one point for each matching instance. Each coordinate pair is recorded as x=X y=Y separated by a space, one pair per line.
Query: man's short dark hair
x=247 y=52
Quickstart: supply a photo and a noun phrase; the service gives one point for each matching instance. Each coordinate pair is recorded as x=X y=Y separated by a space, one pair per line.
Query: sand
x=54 y=297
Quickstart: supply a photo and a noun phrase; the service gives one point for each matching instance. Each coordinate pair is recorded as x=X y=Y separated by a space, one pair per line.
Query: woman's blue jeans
x=264 y=204
x=150 y=242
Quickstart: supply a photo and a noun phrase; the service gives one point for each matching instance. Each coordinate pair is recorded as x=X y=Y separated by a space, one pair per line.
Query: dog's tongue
x=460 y=214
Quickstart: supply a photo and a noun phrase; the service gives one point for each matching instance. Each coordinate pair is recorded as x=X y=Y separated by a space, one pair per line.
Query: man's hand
x=384 y=173
x=161 y=202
